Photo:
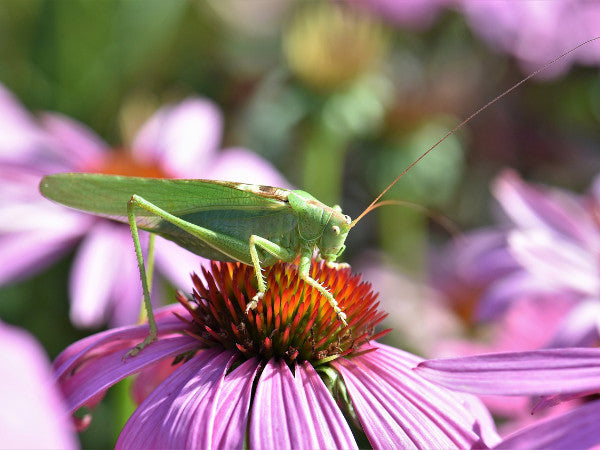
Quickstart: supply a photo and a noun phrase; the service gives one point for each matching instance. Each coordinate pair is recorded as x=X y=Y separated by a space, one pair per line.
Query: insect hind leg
x=152 y=334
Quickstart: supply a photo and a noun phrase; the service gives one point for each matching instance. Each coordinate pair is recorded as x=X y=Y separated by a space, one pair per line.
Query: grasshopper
x=219 y=220
x=227 y=221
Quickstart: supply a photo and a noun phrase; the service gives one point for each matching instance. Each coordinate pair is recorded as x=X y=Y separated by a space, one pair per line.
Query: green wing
x=108 y=195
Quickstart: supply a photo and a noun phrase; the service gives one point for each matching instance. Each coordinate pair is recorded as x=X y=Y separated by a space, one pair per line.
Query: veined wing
x=108 y=195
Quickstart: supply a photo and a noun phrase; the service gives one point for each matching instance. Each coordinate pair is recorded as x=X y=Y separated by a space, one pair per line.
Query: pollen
x=293 y=321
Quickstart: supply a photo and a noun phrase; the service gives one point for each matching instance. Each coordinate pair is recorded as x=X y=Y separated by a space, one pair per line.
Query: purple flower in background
x=179 y=141
x=502 y=308
x=536 y=32
x=555 y=374
x=483 y=283
x=284 y=375
x=32 y=413
x=556 y=239
x=546 y=254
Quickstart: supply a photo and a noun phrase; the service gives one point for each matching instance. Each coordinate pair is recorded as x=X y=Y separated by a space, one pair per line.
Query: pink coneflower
x=555 y=374
x=179 y=141
x=284 y=375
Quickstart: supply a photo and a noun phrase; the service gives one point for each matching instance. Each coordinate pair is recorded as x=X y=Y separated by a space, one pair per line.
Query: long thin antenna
x=467 y=120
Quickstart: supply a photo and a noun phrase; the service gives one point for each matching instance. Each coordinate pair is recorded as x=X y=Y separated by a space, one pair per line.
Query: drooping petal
x=33 y=231
x=508 y=289
x=126 y=295
x=329 y=425
x=22 y=141
x=183 y=138
x=289 y=423
x=98 y=374
x=165 y=419
x=538 y=372
x=575 y=429
x=580 y=326
x=531 y=322
x=241 y=165
x=94 y=271
x=551 y=210
x=32 y=413
x=25 y=254
x=78 y=145
x=232 y=406
x=557 y=261
x=283 y=426
x=399 y=409
x=117 y=338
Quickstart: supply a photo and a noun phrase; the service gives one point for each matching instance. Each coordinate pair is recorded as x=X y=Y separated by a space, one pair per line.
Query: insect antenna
x=372 y=206
x=445 y=222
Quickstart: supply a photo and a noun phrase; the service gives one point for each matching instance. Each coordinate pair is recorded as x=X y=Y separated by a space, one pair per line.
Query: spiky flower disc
x=293 y=321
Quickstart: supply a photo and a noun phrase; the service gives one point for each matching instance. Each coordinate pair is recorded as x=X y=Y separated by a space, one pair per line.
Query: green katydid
x=227 y=221
x=219 y=220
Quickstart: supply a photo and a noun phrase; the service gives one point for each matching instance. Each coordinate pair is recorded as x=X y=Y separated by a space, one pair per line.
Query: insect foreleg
x=304 y=274
x=274 y=249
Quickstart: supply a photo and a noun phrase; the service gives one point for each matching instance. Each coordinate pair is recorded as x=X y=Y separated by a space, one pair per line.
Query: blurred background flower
x=338 y=97
x=33 y=414
x=178 y=141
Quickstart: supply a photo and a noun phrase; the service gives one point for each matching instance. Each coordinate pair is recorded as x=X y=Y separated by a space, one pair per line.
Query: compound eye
x=336 y=230
x=348 y=219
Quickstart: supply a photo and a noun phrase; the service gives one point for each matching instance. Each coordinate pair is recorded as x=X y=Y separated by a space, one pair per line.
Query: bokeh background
x=340 y=97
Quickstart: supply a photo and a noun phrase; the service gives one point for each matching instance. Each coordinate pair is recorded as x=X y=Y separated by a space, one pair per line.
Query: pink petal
x=118 y=338
x=94 y=271
x=24 y=254
x=539 y=372
x=550 y=210
x=32 y=413
x=280 y=412
x=329 y=426
x=241 y=165
x=399 y=409
x=580 y=326
x=78 y=144
x=126 y=296
x=33 y=231
x=531 y=323
x=167 y=417
x=98 y=374
x=183 y=138
x=575 y=429
x=233 y=406
x=518 y=286
x=148 y=379
x=275 y=422
x=559 y=262
x=21 y=139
